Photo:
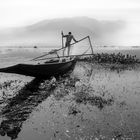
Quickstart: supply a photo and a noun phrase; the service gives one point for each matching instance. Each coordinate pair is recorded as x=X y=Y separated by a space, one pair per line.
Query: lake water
x=104 y=104
x=14 y=55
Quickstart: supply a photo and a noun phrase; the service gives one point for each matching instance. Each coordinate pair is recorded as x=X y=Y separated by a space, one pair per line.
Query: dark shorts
x=67 y=44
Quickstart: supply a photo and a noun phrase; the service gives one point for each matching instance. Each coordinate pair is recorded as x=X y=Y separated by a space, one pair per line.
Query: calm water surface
x=31 y=110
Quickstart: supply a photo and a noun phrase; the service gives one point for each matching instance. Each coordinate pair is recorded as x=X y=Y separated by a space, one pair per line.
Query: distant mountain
x=48 y=32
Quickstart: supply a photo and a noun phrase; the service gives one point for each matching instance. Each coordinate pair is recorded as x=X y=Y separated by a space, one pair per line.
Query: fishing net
x=82 y=47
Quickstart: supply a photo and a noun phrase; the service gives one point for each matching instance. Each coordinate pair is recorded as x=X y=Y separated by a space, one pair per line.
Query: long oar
x=89 y=54
x=59 y=49
x=79 y=40
x=62 y=42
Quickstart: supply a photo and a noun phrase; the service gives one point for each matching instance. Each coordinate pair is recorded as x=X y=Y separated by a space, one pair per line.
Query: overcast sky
x=15 y=13
x=23 y=12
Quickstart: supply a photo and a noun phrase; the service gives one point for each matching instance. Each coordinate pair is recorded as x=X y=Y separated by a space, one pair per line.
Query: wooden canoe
x=44 y=70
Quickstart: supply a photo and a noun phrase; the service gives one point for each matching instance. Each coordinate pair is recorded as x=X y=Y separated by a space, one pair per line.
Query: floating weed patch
x=9 y=89
x=118 y=58
x=72 y=110
x=59 y=94
x=81 y=97
x=98 y=101
x=64 y=87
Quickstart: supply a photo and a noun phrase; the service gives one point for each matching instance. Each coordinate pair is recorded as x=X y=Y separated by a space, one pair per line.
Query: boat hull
x=41 y=70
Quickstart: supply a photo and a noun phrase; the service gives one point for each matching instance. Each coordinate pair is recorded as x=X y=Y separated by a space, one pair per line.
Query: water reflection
x=19 y=108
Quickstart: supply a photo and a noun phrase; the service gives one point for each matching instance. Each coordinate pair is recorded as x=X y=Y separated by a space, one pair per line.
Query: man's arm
x=74 y=39
x=63 y=35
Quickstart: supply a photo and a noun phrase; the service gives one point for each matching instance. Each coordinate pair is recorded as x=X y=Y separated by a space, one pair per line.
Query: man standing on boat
x=69 y=38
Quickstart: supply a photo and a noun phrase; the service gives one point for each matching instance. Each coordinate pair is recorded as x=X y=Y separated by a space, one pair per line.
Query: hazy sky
x=15 y=13
x=21 y=12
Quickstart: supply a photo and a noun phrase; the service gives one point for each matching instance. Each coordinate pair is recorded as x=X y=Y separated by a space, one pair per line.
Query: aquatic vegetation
x=110 y=58
x=73 y=110
x=83 y=94
x=19 y=108
x=96 y=105
x=9 y=89
x=94 y=100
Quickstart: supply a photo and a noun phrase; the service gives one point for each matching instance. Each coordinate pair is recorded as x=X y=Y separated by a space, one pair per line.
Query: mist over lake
x=14 y=55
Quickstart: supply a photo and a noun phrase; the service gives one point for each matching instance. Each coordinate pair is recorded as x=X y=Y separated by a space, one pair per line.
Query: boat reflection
x=19 y=108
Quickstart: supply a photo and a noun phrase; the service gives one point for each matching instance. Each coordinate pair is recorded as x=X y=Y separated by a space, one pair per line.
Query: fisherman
x=69 y=38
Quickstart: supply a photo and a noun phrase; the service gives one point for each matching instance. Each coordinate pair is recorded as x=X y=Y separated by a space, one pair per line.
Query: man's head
x=69 y=33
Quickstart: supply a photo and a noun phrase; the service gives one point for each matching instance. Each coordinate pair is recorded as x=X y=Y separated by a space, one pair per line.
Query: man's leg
x=68 y=48
x=68 y=51
x=65 y=50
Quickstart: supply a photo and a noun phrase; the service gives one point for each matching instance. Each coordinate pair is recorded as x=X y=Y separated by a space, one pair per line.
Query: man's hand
x=62 y=33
